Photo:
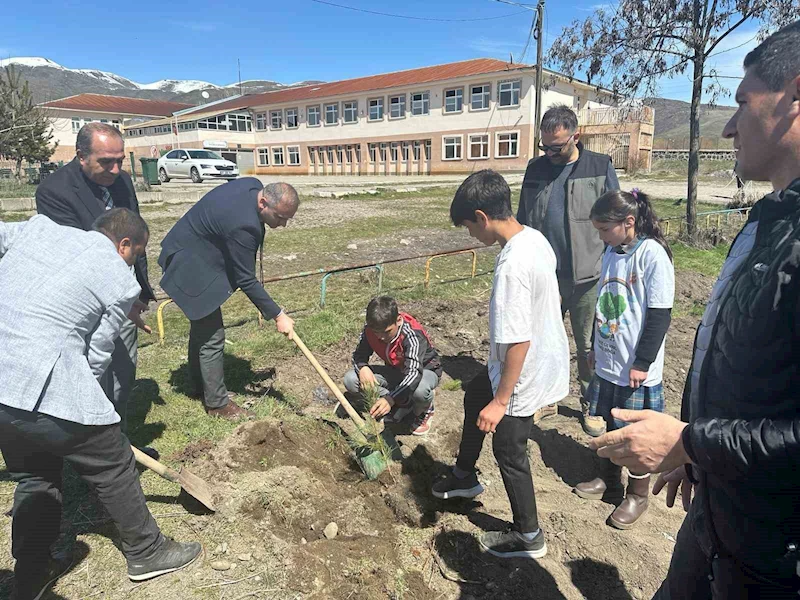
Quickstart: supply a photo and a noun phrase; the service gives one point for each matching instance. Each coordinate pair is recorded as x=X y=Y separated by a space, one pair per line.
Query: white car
x=195 y=164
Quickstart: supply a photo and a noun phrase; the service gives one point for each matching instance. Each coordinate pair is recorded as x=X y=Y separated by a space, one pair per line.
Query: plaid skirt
x=603 y=395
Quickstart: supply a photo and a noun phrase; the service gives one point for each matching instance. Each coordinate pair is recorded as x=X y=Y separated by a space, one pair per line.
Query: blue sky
x=291 y=41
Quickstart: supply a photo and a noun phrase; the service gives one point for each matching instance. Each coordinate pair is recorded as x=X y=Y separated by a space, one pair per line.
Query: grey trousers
x=207 y=359
x=117 y=381
x=388 y=378
x=580 y=301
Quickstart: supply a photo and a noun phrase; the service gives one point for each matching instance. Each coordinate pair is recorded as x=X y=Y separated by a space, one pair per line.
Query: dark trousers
x=693 y=575
x=510 y=447
x=207 y=358
x=118 y=379
x=35 y=447
x=579 y=299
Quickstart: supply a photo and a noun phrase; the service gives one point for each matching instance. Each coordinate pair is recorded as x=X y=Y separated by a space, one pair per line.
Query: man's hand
x=135 y=315
x=491 y=416
x=674 y=479
x=381 y=408
x=284 y=323
x=637 y=378
x=650 y=444
x=366 y=377
x=590 y=360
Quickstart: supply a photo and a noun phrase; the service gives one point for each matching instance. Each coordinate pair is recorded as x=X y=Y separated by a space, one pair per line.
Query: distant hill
x=672 y=119
x=49 y=80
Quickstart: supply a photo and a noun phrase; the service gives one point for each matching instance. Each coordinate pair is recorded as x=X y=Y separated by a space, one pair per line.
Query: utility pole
x=539 y=76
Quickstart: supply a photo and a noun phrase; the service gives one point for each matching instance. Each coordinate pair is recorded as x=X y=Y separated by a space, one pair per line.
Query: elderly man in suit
x=64 y=294
x=76 y=195
x=209 y=253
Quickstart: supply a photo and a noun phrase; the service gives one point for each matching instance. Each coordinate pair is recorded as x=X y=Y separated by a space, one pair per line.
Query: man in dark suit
x=76 y=195
x=206 y=256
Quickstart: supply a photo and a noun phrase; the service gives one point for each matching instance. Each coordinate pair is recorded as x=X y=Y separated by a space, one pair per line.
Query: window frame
x=74 y=121
x=296 y=112
x=444 y=101
x=293 y=149
x=500 y=93
x=325 y=113
x=488 y=146
x=266 y=150
x=403 y=104
x=318 y=113
x=275 y=162
x=261 y=121
x=272 y=114
x=423 y=93
x=353 y=105
x=497 y=135
x=487 y=94
x=460 y=138
x=381 y=105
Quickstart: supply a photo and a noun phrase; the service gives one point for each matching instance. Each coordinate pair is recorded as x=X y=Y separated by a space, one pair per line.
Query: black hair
x=559 y=116
x=486 y=191
x=83 y=143
x=381 y=312
x=121 y=223
x=776 y=60
x=615 y=206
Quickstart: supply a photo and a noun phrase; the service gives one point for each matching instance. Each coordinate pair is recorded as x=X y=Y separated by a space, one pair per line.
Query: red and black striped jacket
x=411 y=351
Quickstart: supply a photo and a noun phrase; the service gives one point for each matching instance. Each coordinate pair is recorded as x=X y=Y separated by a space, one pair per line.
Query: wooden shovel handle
x=155 y=466
x=328 y=381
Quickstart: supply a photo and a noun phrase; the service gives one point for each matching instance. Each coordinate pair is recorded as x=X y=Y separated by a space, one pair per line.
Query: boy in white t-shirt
x=528 y=365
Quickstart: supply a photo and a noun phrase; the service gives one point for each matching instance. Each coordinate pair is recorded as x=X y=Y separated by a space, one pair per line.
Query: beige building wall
x=65 y=133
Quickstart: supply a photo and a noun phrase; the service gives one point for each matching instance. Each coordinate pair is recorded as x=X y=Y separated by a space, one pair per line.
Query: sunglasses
x=556 y=148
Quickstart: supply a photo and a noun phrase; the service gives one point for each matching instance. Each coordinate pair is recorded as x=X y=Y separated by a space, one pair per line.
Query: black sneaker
x=168 y=557
x=510 y=544
x=33 y=586
x=453 y=487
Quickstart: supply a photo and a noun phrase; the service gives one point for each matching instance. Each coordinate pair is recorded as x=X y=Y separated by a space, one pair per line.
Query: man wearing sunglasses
x=558 y=192
x=206 y=256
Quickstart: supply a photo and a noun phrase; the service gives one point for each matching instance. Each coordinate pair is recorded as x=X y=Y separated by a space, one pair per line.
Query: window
x=261 y=121
x=395 y=151
x=454 y=100
x=350 y=111
x=427 y=149
x=312 y=116
x=480 y=96
x=76 y=124
x=406 y=146
x=373 y=152
x=291 y=118
x=214 y=123
x=348 y=154
x=376 y=109
x=329 y=152
x=277 y=156
x=384 y=146
x=339 y=152
x=421 y=103
x=263 y=157
x=240 y=123
x=293 y=153
x=276 y=119
x=173 y=155
x=312 y=155
x=508 y=92
x=417 y=149
x=331 y=114
x=358 y=153
x=451 y=147
x=479 y=146
x=104 y=120
x=115 y=123
x=507 y=145
x=397 y=107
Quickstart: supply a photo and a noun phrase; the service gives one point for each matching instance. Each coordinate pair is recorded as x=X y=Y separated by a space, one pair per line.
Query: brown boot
x=597 y=488
x=231 y=411
x=635 y=503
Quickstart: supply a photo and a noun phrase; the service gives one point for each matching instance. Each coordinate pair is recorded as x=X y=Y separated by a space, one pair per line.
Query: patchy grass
x=707 y=262
x=11 y=188
x=676 y=169
x=453 y=385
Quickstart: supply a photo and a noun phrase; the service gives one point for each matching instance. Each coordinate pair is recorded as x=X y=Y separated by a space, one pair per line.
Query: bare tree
x=629 y=47
x=25 y=129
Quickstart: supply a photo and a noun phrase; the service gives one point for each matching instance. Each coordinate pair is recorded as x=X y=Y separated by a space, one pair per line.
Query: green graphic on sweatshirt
x=611 y=306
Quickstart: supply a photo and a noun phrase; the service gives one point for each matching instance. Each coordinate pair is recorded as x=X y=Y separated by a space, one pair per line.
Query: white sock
x=529 y=536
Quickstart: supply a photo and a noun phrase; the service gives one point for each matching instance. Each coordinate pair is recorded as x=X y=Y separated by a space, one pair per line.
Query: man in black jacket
x=737 y=445
x=558 y=192
x=76 y=195
x=206 y=256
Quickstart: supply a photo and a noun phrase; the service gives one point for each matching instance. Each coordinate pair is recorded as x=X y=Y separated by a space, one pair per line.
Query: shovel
x=191 y=483
x=372 y=461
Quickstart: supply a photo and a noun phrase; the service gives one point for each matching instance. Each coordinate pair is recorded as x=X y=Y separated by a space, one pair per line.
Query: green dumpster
x=150 y=171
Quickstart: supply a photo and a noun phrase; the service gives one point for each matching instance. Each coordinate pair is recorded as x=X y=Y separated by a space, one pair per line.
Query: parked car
x=195 y=164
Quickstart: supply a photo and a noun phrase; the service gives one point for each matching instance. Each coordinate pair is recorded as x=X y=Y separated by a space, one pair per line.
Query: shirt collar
x=629 y=248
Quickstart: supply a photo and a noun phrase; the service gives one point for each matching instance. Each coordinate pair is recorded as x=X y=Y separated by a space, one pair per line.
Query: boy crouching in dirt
x=528 y=366
x=412 y=370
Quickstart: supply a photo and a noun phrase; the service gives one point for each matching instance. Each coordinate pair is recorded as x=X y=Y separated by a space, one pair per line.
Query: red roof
x=119 y=105
x=467 y=68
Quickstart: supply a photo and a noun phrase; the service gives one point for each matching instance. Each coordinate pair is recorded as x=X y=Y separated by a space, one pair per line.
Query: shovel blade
x=197 y=488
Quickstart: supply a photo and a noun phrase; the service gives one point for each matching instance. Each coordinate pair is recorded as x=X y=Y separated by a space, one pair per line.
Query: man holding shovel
x=64 y=294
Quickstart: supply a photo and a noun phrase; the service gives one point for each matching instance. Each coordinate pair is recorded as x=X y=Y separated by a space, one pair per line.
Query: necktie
x=107 y=200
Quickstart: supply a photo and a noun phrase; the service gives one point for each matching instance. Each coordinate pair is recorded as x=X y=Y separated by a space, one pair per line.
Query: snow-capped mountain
x=49 y=80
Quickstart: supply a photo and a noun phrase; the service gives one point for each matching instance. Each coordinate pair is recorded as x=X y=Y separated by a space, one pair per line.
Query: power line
x=383 y=14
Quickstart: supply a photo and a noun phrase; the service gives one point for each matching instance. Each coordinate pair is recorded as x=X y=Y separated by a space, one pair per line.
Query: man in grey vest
x=558 y=192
